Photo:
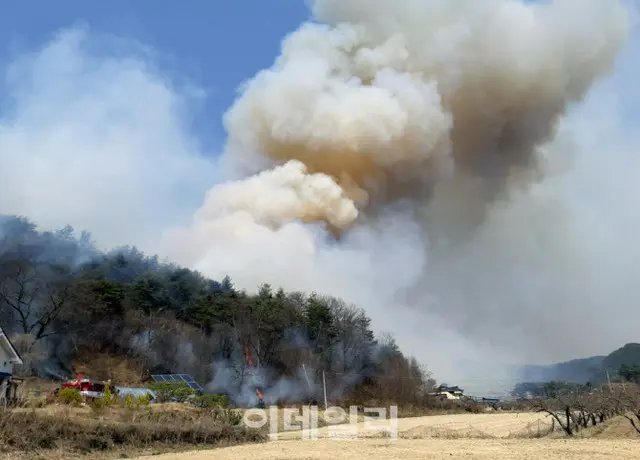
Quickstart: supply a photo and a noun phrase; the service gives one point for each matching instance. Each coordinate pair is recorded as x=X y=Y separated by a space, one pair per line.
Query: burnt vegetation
x=60 y=297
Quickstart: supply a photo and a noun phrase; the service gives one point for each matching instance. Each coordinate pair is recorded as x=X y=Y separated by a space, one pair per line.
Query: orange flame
x=259 y=393
x=247 y=356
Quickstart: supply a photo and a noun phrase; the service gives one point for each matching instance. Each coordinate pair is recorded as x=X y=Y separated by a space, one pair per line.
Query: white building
x=9 y=357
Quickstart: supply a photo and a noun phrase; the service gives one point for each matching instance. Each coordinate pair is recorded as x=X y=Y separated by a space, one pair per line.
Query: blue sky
x=216 y=44
x=124 y=100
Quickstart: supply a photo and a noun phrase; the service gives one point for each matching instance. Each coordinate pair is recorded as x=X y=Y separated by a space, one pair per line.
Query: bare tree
x=576 y=410
x=560 y=411
x=19 y=285
x=626 y=402
x=35 y=294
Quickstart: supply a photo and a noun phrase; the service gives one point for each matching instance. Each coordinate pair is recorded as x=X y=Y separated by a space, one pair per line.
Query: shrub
x=33 y=432
x=70 y=397
x=98 y=405
x=172 y=391
x=143 y=400
x=227 y=416
x=108 y=398
x=129 y=403
x=210 y=400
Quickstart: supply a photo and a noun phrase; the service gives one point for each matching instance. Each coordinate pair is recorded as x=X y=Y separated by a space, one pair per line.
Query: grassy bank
x=66 y=432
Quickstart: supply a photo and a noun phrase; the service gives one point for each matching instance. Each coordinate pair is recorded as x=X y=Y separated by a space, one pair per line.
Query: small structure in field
x=9 y=357
x=448 y=392
x=135 y=393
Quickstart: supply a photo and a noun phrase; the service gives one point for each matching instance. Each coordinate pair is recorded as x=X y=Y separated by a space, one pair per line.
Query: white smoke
x=435 y=123
x=92 y=135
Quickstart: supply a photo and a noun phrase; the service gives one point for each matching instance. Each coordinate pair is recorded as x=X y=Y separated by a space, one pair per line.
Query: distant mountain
x=628 y=355
x=575 y=371
x=593 y=369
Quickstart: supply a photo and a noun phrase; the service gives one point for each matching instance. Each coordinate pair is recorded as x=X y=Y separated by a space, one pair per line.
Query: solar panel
x=178 y=378
x=195 y=386
x=187 y=378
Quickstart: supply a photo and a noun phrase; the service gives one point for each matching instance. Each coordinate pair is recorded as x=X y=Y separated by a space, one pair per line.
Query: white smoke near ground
x=408 y=156
x=411 y=157
x=240 y=384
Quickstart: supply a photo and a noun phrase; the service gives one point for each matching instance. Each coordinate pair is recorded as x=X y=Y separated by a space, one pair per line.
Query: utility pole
x=324 y=384
x=609 y=381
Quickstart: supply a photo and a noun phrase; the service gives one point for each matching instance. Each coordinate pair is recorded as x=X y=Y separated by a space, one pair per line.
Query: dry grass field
x=501 y=436
x=183 y=432
x=432 y=449
x=63 y=432
x=499 y=425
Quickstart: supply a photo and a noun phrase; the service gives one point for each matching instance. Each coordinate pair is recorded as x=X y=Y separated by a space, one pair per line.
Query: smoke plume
x=391 y=99
x=405 y=155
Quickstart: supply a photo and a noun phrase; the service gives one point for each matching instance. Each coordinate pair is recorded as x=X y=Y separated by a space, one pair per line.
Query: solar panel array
x=178 y=378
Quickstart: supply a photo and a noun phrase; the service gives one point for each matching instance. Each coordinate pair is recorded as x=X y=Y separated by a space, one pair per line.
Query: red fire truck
x=89 y=389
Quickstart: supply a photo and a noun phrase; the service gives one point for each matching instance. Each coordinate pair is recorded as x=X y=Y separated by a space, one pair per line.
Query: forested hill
x=593 y=369
x=59 y=296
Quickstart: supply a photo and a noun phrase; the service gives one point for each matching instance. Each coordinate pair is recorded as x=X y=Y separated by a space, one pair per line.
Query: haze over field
x=410 y=156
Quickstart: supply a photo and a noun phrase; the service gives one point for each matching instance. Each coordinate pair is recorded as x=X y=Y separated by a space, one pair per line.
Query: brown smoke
x=389 y=108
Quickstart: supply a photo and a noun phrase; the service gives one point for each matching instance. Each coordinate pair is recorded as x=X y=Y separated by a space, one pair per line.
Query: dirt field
x=442 y=426
x=432 y=449
x=477 y=437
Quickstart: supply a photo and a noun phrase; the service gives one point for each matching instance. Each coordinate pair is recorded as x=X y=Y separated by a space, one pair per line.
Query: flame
x=247 y=356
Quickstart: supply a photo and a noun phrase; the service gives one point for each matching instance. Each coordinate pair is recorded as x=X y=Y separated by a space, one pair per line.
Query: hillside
x=593 y=369
x=628 y=355
x=576 y=370
x=71 y=308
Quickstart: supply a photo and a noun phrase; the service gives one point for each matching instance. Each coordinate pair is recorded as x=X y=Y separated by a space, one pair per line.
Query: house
x=9 y=357
x=448 y=392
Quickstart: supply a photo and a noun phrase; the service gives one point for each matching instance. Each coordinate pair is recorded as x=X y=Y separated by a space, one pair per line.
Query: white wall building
x=9 y=357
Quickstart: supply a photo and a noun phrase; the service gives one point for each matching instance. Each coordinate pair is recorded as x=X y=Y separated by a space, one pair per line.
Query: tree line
x=60 y=296
x=627 y=373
